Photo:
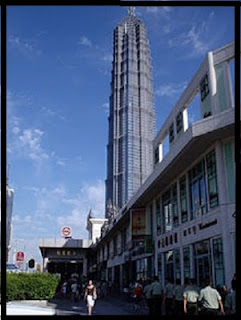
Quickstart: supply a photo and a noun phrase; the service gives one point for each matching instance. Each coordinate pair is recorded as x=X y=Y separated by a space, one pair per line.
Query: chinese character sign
x=138 y=222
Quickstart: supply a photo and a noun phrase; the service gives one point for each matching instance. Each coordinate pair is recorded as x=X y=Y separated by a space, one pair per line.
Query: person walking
x=64 y=289
x=156 y=293
x=168 y=296
x=230 y=302
x=190 y=298
x=90 y=296
x=74 y=289
x=210 y=300
x=178 y=298
x=147 y=294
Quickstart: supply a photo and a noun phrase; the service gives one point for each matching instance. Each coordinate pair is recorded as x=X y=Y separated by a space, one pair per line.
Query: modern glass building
x=132 y=115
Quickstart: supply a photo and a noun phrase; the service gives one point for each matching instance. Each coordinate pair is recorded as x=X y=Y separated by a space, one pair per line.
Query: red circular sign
x=66 y=231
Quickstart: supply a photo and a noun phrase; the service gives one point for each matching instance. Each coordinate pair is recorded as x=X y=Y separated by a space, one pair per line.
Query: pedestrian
x=230 y=303
x=210 y=300
x=178 y=298
x=147 y=294
x=168 y=296
x=64 y=289
x=138 y=291
x=156 y=293
x=90 y=296
x=190 y=298
x=74 y=289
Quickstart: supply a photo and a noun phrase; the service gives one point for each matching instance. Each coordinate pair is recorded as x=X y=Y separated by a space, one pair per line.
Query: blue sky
x=58 y=86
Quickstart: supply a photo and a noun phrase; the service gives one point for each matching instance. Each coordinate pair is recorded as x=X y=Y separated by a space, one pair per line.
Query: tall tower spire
x=131 y=11
x=132 y=114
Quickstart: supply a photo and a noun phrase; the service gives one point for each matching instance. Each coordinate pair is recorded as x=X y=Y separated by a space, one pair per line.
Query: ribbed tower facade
x=132 y=114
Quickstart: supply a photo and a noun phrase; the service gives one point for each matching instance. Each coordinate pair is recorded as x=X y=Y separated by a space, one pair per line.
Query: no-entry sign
x=66 y=232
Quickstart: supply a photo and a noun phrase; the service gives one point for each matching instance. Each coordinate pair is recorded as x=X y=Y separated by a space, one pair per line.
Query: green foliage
x=31 y=286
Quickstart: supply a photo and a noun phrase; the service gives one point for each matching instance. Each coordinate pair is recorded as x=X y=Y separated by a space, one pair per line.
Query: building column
x=160 y=152
x=112 y=274
x=121 y=277
x=45 y=261
x=182 y=264
x=85 y=267
x=185 y=119
x=192 y=262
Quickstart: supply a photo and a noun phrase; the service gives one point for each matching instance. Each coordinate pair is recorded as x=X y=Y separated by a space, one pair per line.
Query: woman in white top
x=90 y=295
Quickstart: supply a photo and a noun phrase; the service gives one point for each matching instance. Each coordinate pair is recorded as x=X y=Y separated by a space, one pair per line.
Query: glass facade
x=198 y=192
x=212 y=179
x=218 y=262
x=132 y=113
x=158 y=217
x=186 y=263
x=183 y=199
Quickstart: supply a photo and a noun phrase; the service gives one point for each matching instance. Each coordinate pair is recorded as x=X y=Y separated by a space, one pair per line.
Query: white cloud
x=30 y=140
x=84 y=41
x=25 y=47
x=90 y=197
x=170 y=90
x=105 y=107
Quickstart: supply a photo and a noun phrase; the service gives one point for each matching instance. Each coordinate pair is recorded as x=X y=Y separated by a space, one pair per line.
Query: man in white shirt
x=210 y=300
x=156 y=292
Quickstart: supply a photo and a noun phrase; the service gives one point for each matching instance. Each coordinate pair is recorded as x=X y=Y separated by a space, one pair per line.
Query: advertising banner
x=20 y=257
x=138 y=223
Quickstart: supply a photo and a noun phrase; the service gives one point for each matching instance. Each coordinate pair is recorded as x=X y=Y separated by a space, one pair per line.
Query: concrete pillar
x=182 y=265
x=212 y=82
x=160 y=152
x=185 y=119
x=121 y=277
x=85 y=266
x=45 y=261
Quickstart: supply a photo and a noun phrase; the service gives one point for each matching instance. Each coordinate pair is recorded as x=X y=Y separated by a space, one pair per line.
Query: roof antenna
x=131 y=11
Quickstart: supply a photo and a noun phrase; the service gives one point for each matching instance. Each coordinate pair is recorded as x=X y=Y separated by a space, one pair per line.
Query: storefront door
x=203 y=269
x=202 y=262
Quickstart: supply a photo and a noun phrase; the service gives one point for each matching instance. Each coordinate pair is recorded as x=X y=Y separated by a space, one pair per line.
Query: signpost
x=66 y=232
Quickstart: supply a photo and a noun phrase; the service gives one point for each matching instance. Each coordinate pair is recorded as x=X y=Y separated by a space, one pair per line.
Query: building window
x=204 y=87
x=169 y=265
x=179 y=122
x=212 y=179
x=175 y=206
x=198 y=193
x=166 y=211
x=58 y=252
x=157 y=155
x=158 y=217
x=171 y=133
x=218 y=262
x=177 y=264
x=183 y=199
x=186 y=263
x=170 y=209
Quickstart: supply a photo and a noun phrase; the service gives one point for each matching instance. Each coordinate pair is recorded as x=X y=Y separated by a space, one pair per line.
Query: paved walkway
x=111 y=305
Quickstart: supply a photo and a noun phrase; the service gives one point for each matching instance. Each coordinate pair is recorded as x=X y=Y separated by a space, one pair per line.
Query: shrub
x=31 y=286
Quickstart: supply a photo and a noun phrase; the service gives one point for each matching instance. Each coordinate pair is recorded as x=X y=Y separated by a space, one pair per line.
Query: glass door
x=203 y=269
x=202 y=262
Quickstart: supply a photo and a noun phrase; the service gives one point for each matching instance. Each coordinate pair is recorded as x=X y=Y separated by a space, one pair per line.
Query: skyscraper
x=132 y=115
